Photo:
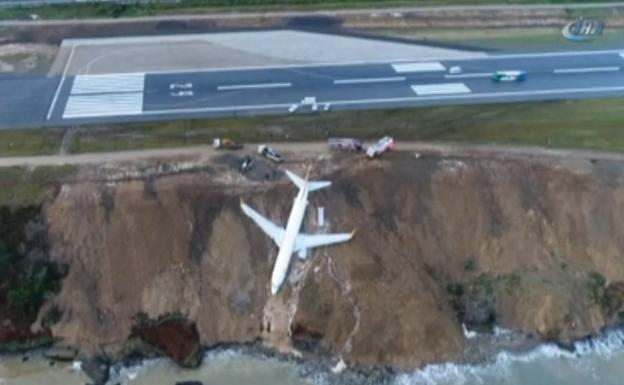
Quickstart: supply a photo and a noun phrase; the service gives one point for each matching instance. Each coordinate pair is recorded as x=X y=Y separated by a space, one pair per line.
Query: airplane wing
x=308 y=241
x=271 y=229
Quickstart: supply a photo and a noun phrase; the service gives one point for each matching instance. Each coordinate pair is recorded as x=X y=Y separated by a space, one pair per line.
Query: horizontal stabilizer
x=271 y=229
x=312 y=186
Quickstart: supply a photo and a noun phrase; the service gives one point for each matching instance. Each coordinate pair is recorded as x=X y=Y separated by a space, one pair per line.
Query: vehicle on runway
x=270 y=153
x=509 y=76
x=455 y=70
x=289 y=239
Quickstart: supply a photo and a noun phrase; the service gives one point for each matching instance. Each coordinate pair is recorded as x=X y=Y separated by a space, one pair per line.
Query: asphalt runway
x=210 y=93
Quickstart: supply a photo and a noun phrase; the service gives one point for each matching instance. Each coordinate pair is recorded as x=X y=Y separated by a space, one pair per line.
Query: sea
x=598 y=360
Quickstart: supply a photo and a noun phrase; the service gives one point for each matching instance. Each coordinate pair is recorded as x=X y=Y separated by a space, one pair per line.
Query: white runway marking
x=113 y=83
x=60 y=85
x=418 y=67
x=97 y=105
x=561 y=91
x=585 y=70
x=470 y=76
x=440 y=89
x=105 y=95
x=370 y=80
x=253 y=86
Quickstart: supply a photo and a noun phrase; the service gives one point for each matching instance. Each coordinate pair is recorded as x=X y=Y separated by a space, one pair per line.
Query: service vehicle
x=345 y=144
x=226 y=144
x=509 y=76
x=382 y=146
x=270 y=153
x=246 y=164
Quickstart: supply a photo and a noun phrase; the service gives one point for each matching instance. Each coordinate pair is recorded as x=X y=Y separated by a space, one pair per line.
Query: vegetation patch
x=476 y=302
x=21 y=186
x=134 y=9
x=27 y=277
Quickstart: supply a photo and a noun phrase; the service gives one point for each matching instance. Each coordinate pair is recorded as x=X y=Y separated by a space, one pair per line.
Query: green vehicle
x=509 y=76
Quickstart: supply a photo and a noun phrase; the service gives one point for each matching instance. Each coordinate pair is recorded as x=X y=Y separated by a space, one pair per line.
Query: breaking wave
x=588 y=360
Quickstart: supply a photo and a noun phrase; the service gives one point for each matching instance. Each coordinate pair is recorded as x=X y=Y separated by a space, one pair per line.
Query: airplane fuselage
x=295 y=220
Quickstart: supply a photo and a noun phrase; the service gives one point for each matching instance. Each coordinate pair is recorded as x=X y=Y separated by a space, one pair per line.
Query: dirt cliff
x=531 y=244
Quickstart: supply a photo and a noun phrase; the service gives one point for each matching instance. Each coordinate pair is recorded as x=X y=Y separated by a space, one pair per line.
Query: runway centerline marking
x=418 y=67
x=60 y=85
x=469 y=76
x=370 y=80
x=440 y=89
x=585 y=70
x=253 y=86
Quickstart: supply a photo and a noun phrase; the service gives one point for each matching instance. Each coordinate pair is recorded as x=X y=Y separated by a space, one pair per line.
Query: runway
x=247 y=91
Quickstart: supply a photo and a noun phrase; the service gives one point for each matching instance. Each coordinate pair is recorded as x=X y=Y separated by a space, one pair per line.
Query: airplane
x=289 y=239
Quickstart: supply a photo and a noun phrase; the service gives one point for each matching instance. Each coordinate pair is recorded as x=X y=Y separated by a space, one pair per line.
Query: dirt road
x=301 y=148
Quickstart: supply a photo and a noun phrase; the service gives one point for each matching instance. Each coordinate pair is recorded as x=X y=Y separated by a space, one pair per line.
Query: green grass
x=71 y=11
x=506 y=39
x=583 y=124
x=20 y=186
x=30 y=142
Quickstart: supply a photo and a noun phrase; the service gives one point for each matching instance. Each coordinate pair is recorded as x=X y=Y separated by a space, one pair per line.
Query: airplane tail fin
x=312 y=186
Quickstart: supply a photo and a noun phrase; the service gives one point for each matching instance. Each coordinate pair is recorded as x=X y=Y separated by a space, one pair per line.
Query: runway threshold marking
x=469 y=76
x=585 y=70
x=370 y=80
x=108 y=83
x=440 y=89
x=105 y=95
x=253 y=86
x=418 y=67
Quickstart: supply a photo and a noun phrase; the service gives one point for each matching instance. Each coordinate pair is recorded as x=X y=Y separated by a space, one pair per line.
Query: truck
x=226 y=144
x=345 y=144
x=383 y=145
x=270 y=153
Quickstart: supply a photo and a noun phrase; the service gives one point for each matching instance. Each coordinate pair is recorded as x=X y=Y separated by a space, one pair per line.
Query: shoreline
x=484 y=351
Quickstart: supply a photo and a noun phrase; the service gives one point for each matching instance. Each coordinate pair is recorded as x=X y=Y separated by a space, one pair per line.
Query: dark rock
x=189 y=383
x=97 y=370
x=60 y=353
x=479 y=312
x=174 y=337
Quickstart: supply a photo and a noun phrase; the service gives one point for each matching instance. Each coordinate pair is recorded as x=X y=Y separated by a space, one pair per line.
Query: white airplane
x=289 y=240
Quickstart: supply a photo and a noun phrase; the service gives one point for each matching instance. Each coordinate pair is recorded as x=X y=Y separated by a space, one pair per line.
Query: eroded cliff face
x=440 y=241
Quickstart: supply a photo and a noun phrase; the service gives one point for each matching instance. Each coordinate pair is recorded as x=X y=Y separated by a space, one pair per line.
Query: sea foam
x=603 y=347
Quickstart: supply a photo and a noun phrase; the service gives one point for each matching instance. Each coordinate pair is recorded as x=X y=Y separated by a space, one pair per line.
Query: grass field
x=30 y=142
x=84 y=10
x=583 y=124
x=21 y=186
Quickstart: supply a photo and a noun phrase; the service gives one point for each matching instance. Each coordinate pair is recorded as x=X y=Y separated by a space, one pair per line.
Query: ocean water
x=597 y=361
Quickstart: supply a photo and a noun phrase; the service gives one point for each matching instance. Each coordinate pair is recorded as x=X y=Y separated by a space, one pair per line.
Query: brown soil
x=26 y=58
x=525 y=233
